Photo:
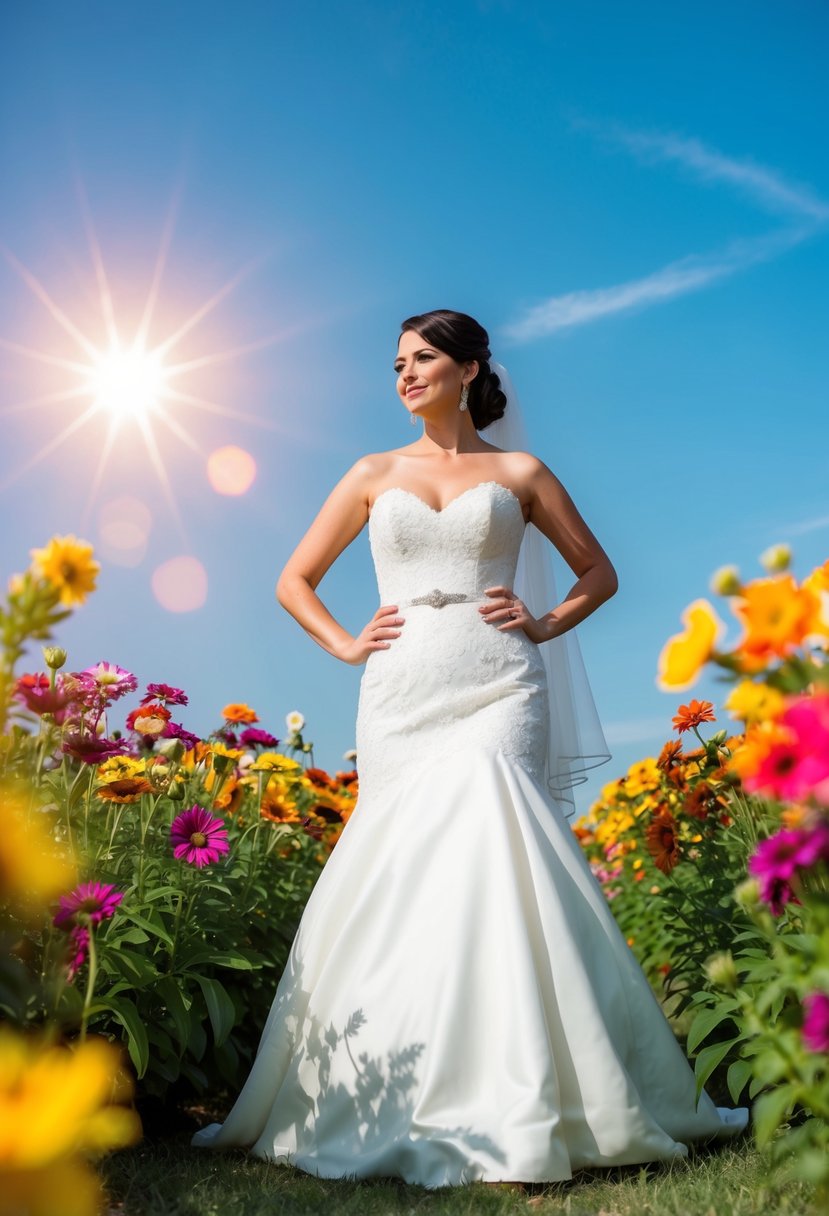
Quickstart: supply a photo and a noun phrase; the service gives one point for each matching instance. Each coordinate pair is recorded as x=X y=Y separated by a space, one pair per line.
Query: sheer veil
x=576 y=741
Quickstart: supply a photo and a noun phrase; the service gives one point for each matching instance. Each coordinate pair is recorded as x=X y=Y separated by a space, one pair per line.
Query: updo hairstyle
x=459 y=335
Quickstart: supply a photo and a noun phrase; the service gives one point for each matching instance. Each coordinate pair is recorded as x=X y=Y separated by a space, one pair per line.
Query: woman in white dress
x=459 y=1004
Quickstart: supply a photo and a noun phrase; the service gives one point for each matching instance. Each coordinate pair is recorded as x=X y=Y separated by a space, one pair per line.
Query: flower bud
x=747 y=893
x=172 y=748
x=776 y=558
x=55 y=656
x=721 y=970
x=726 y=581
x=222 y=763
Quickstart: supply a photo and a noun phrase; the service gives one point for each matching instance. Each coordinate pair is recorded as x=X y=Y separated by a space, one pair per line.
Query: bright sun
x=128 y=383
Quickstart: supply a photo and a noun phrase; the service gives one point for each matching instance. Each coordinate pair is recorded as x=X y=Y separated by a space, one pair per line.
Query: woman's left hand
x=507 y=611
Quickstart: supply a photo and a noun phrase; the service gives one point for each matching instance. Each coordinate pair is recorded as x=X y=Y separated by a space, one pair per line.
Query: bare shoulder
x=524 y=468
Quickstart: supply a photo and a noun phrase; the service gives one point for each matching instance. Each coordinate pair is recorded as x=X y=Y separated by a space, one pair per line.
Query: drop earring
x=413 y=419
x=464 y=397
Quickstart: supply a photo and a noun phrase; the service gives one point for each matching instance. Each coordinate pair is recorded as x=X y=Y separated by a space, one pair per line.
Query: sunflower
x=67 y=563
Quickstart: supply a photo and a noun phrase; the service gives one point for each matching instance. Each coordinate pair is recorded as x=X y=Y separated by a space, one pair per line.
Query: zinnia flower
x=124 y=789
x=165 y=693
x=693 y=714
x=149 y=720
x=108 y=679
x=67 y=564
x=37 y=695
x=173 y=730
x=257 y=738
x=88 y=904
x=797 y=764
x=237 y=711
x=661 y=840
x=91 y=749
x=78 y=950
x=777 y=616
x=295 y=721
x=776 y=860
x=198 y=838
x=816 y=1021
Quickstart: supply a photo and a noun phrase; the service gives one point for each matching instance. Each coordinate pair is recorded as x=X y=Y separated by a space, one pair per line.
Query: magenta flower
x=777 y=859
x=198 y=837
x=79 y=948
x=252 y=737
x=37 y=695
x=816 y=1021
x=88 y=904
x=165 y=693
x=91 y=749
x=173 y=730
x=797 y=768
x=108 y=679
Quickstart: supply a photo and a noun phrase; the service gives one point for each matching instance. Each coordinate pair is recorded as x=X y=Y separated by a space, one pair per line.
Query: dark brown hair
x=461 y=337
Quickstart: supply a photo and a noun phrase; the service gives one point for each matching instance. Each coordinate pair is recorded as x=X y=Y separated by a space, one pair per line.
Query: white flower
x=295 y=721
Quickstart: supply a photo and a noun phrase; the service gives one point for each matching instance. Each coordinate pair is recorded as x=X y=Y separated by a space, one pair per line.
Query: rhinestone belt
x=439 y=599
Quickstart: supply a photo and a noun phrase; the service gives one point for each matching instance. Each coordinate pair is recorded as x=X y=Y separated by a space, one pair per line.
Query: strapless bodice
x=471 y=544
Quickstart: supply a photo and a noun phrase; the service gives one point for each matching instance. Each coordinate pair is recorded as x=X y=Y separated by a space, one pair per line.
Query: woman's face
x=427 y=377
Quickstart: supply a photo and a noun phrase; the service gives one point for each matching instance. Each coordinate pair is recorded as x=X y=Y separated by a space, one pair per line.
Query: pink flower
x=88 y=904
x=108 y=679
x=37 y=695
x=776 y=860
x=198 y=837
x=79 y=948
x=165 y=693
x=793 y=770
x=816 y=1021
x=251 y=737
x=91 y=749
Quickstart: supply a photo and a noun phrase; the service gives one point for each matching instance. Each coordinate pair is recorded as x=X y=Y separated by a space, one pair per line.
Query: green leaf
x=769 y=1111
x=709 y=1058
x=138 y=1045
x=171 y=994
x=737 y=1077
x=706 y=1021
x=152 y=927
x=219 y=1006
x=225 y=958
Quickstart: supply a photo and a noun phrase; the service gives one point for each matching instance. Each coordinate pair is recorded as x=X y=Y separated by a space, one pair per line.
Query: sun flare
x=128 y=383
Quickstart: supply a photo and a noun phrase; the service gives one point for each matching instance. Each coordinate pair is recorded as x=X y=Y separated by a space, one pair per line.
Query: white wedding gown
x=459 y=1003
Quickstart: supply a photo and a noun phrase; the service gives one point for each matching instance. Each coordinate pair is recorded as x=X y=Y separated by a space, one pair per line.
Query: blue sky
x=633 y=199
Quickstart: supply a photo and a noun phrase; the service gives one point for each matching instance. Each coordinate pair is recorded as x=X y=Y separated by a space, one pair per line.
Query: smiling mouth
x=410 y=392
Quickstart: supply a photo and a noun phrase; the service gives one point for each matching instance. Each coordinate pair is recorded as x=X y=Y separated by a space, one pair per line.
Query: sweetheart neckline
x=452 y=501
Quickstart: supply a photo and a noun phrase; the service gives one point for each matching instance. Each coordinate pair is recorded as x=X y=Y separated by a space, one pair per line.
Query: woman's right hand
x=375 y=635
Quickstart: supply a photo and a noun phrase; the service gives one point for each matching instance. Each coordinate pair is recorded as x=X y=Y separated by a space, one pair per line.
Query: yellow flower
x=230 y=753
x=753 y=702
x=67 y=563
x=56 y=1104
x=685 y=653
x=273 y=762
x=637 y=863
x=642 y=777
x=119 y=768
x=33 y=870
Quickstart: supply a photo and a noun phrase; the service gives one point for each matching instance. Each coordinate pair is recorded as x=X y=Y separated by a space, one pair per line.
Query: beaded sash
x=438 y=599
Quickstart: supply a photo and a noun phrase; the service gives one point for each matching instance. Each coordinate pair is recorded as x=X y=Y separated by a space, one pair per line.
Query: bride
x=459 y=1003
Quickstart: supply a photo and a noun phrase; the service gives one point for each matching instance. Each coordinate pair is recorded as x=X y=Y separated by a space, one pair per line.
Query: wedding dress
x=459 y=1003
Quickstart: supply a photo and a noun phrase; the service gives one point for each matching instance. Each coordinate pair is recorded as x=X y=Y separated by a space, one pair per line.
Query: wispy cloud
x=766 y=187
x=688 y=274
x=804 y=526
x=693 y=272
x=636 y=730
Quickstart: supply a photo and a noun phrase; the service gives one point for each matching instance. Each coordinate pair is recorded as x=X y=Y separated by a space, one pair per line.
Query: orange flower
x=702 y=801
x=670 y=755
x=124 y=789
x=693 y=714
x=777 y=617
x=661 y=841
x=760 y=739
x=237 y=711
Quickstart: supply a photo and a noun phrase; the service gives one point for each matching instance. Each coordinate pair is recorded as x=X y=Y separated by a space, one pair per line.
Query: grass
x=166 y=1177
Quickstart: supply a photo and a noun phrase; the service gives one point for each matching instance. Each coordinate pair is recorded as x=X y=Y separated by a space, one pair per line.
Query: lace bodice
x=459 y=549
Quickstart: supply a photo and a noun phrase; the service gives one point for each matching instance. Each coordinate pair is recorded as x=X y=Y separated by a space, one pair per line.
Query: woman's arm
x=554 y=513
x=341 y=518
